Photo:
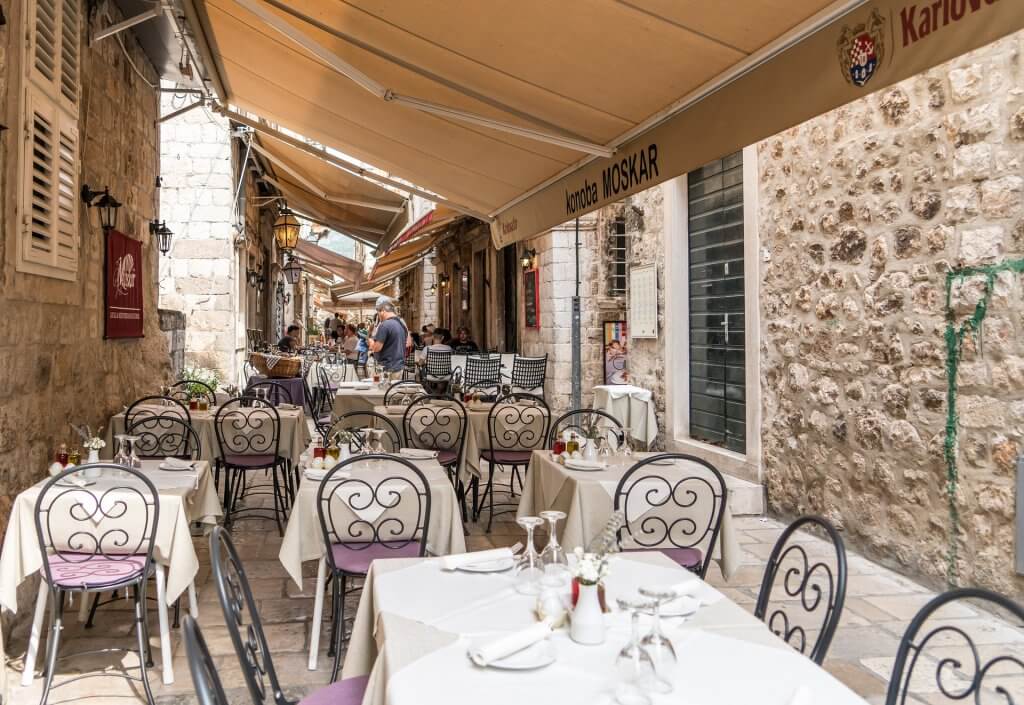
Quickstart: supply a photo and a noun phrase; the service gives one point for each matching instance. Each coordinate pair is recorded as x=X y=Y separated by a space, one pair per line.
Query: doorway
x=510 y=296
x=478 y=310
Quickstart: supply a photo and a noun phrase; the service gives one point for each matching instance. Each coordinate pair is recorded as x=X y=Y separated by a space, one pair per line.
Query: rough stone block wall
x=55 y=366
x=196 y=200
x=863 y=211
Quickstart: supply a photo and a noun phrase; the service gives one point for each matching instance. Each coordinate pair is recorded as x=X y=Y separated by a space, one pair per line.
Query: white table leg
x=193 y=603
x=33 y=640
x=318 y=613
x=84 y=603
x=165 y=627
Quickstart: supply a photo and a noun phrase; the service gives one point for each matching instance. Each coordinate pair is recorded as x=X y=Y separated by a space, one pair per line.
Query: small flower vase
x=94 y=456
x=344 y=452
x=587 y=619
x=590 y=451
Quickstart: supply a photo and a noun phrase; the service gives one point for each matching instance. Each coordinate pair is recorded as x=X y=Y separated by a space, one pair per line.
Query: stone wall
x=863 y=211
x=55 y=366
x=196 y=200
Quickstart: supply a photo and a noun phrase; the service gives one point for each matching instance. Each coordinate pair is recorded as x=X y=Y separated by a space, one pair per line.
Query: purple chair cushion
x=349 y=691
x=356 y=557
x=87 y=571
x=447 y=457
x=685 y=557
x=250 y=461
x=507 y=457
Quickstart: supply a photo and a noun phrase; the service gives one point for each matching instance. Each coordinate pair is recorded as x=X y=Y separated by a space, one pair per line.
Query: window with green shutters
x=716 y=266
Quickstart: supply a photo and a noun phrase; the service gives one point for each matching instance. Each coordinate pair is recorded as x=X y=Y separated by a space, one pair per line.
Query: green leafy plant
x=194 y=373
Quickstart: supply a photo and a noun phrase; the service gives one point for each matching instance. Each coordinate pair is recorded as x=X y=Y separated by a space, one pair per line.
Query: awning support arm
x=179 y=111
x=348 y=166
x=338 y=64
x=309 y=184
x=121 y=26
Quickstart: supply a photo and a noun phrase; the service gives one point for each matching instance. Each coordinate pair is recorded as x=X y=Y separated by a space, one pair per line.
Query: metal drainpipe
x=577 y=371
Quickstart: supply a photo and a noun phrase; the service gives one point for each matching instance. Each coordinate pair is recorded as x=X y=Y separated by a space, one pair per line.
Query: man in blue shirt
x=389 y=340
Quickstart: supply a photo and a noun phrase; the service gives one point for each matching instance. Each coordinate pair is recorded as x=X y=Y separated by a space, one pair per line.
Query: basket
x=284 y=367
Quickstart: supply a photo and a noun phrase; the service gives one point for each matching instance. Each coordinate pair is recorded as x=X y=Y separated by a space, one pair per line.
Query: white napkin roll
x=487 y=653
x=176 y=464
x=459 y=560
x=419 y=453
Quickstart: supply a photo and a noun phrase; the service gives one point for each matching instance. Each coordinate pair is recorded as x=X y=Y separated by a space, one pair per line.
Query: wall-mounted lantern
x=162 y=235
x=106 y=204
x=286 y=230
x=292 y=271
x=528 y=258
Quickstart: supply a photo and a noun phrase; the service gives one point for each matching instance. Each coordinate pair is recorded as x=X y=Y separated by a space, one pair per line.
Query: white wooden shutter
x=49 y=243
x=55 y=31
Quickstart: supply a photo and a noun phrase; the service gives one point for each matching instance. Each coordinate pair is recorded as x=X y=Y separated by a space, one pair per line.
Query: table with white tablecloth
x=587 y=498
x=295 y=436
x=632 y=406
x=184 y=497
x=303 y=536
x=415 y=623
x=357 y=396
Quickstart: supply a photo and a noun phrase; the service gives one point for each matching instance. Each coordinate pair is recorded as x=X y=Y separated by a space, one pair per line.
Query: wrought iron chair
x=248 y=439
x=586 y=424
x=481 y=368
x=490 y=389
x=354 y=538
x=205 y=678
x=410 y=371
x=437 y=371
x=186 y=388
x=250 y=641
x=433 y=422
x=329 y=376
x=517 y=424
x=165 y=437
x=147 y=406
x=529 y=373
x=403 y=392
x=955 y=680
x=356 y=423
x=92 y=543
x=277 y=393
x=813 y=593
x=666 y=514
x=319 y=405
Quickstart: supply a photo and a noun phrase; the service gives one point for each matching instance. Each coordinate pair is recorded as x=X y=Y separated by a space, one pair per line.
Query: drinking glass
x=624 y=448
x=123 y=456
x=603 y=450
x=528 y=568
x=133 y=460
x=660 y=648
x=554 y=562
x=633 y=664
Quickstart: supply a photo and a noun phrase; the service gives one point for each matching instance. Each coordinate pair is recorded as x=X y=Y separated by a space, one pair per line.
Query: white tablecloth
x=348 y=398
x=632 y=406
x=587 y=498
x=415 y=623
x=303 y=538
x=184 y=497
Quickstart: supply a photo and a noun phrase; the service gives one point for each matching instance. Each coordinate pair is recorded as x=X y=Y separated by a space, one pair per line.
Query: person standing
x=390 y=338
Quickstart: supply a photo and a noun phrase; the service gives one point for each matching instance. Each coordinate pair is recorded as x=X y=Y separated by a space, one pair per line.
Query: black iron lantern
x=162 y=235
x=286 y=230
x=106 y=204
x=292 y=271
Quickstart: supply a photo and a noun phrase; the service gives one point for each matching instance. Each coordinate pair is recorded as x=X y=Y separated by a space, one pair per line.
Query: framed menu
x=643 y=301
x=531 y=299
x=123 y=286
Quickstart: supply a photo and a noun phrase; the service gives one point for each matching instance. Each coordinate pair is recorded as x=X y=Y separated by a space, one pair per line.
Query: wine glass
x=624 y=446
x=554 y=562
x=122 y=457
x=133 y=460
x=660 y=648
x=528 y=568
x=633 y=664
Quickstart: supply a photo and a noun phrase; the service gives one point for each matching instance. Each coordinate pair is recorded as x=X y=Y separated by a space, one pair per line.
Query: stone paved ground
x=879 y=605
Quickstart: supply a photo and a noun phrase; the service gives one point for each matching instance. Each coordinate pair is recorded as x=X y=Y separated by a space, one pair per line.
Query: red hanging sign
x=123 y=290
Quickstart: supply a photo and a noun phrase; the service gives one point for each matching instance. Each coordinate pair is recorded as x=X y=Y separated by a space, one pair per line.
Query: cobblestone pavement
x=879 y=605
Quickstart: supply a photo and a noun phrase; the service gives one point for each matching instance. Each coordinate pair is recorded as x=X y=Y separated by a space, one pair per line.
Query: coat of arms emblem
x=861 y=49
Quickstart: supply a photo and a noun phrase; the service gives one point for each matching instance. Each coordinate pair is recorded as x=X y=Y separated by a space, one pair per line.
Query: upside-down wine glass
x=624 y=447
x=122 y=457
x=660 y=648
x=633 y=665
x=553 y=560
x=528 y=567
x=133 y=459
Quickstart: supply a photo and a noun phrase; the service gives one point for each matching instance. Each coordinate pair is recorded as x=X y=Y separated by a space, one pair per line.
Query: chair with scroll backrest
x=249 y=439
x=367 y=513
x=517 y=425
x=356 y=423
x=155 y=406
x=95 y=541
x=587 y=424
x=939 y=661
x=813 y=581
x=276 y=392
x=402 y=392
x=167 y=436
x=250 y=641
x=672 y=503
x=189 y=388
x=439 y=423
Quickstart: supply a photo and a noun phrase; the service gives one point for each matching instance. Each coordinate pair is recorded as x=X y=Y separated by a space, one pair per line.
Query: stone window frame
x=49 y=97
x=617 y=284
x=677 y=337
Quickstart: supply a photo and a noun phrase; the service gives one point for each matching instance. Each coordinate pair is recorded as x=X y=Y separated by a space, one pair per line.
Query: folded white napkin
x=321 y=473
x=486 y=653
x=176 y=464
x=459 y=560
x=75 y=480
x=418 y=453
x=687 y=588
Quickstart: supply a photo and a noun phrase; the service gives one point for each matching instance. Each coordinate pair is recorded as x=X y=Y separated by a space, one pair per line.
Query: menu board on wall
x=531 y=299
x=643 y=301
x=123 y=290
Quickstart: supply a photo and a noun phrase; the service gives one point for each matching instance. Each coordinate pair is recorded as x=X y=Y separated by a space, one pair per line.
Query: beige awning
x=339 y=265
x=510 y=109
x=413 y=244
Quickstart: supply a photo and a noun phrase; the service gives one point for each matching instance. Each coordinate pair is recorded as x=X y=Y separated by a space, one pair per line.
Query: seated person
x=465 y=344
x=439 y=344
x=290 y=342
